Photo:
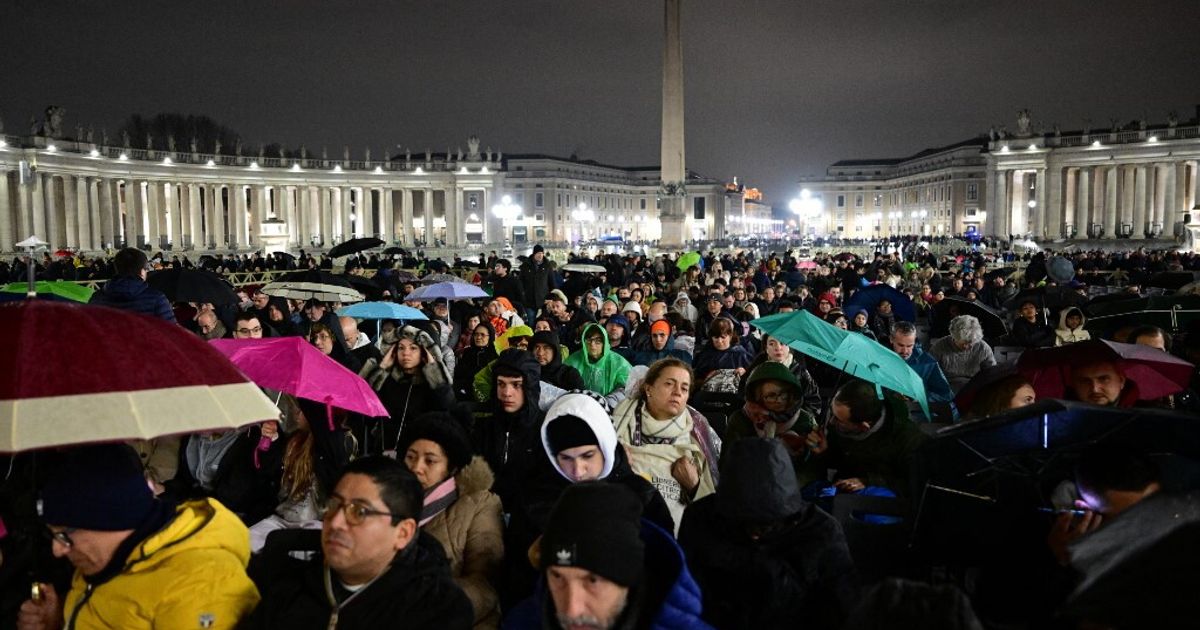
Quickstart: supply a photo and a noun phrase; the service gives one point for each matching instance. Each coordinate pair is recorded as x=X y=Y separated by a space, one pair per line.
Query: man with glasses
x=247 y=326
x=376 y=568
x=139 y=562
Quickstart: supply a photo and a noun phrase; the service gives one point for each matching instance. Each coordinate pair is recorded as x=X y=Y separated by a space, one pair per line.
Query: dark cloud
x=775 y=88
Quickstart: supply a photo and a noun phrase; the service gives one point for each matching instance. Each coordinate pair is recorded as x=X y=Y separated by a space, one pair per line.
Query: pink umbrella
x=807 y=264
x=292 y=365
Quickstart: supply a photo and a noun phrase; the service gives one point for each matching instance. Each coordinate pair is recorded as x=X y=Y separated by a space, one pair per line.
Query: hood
x=522 y=362
x=682 y=300
x=772 y=371
x=550 y=339
x=623 y=323
x=126 y=286
x=501 y=344
x=201 y=524
x=1062 y=318
x=585 y=408
x=583 y=342
x=758 y=482
x=476 y=476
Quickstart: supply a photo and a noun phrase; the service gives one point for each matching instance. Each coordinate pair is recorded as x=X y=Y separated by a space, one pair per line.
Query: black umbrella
x=366 y=286
x=1139 y=569
x=283 y=255
x=1170 y=312
x=1002 y=272
x=1051 y=297
x=979 y=383
x=1173 y=280
x=951 y=307
x=353 y=246
x=192 y=285
x=394 y=251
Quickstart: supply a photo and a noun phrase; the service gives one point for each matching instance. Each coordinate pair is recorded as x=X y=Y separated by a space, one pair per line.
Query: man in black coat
x=506 y=434
x=128 y=291
x=505 y=284
x=764 y=557
x=376 y=568
x=535 y=278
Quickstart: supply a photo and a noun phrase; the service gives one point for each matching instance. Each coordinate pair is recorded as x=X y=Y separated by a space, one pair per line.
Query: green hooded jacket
x=604 y=375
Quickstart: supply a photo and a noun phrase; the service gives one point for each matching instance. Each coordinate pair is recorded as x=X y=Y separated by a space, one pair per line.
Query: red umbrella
x=1155 y=372
x=74 y=374
x=292 y=365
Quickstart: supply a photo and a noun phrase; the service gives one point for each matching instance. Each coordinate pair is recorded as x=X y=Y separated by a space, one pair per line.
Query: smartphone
x=1057 y=511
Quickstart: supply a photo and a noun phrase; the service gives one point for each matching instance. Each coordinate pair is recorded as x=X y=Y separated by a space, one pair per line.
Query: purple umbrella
x=448 y=290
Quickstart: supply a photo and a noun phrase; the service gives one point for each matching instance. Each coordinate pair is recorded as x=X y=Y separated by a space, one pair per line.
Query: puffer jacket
x=130 y=293
x=1064 y=335
x=471 y=532
x=189 y=574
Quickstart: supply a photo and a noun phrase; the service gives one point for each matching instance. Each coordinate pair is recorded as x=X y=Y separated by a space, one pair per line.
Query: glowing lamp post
x=507 y=212
x=583 y=215
x=807 y=208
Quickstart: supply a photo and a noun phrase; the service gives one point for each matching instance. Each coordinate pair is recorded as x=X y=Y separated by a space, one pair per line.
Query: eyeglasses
x=62 y=536
x=249 y=331
x=355 y=513
x=777 y=396
x=480 y=335
x=595 y=341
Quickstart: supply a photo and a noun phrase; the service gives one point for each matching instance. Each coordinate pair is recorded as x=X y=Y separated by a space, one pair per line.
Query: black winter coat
x=417 y=591
x=802 y=575
x=130 y=293
x=535 y=283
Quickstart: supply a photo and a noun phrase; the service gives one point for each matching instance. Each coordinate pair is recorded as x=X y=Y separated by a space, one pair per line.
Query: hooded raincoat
x=604 y=375
x=1064 y=335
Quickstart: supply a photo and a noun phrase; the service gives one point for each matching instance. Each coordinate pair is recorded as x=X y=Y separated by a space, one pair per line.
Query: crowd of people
x=583 y=449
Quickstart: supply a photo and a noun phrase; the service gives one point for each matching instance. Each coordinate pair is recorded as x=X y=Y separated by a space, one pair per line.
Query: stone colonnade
x=87 y=203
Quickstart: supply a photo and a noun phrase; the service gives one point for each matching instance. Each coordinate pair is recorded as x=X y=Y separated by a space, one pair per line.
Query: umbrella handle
x=329 y=414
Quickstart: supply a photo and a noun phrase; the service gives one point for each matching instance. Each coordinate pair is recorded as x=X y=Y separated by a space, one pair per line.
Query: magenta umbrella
x=292 y=365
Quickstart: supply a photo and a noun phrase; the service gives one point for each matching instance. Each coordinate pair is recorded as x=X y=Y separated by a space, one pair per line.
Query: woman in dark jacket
x=473 y=358
x=723 y=352
x=410 y=380
x=279 y=318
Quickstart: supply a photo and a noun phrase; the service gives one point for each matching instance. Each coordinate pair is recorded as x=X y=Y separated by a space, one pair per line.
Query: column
x=196 y=222
x=1017 y=221
x=67 y=201
x=1140 y=192
x=83 y=196
x=6 y=214
x=406 y=216
x=1110 y=203
x=258 y=212
x=175 y=211
x=237 y=217
x=387 y=227
x=105 y=198
x=428 y=215
x=24 y=208
x=1159 y=195
x=56 y=215
x=1194 y=190
x=1053 y=214
x=330 y=204
x=1037 y=214
x=1083 y=203
x=347 y=206
x=1126 y=175
x=1071 y=204
x=1178 y=192
x=135 y=225
x=217 y=233
x=366 y=212
x=1000 y=207
x=453 y=212
x=151 y=210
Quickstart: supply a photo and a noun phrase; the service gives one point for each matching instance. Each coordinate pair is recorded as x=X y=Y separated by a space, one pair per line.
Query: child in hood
x=1070 y=327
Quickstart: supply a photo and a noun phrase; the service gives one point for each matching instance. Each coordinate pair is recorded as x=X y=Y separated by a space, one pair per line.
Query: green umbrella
x=686 y=261
x=63 y=290
x=850 y=352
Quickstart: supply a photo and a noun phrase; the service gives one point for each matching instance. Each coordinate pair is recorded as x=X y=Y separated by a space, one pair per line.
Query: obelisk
x=673 y=175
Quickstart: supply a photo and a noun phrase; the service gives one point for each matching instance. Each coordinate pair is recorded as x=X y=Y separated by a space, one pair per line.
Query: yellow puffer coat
x=190 y=574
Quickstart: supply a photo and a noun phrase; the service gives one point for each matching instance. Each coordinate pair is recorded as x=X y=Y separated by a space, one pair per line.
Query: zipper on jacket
x=87 y=594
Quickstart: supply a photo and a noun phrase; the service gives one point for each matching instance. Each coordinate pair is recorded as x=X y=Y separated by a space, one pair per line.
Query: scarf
x=769 y=423
x=438 y=498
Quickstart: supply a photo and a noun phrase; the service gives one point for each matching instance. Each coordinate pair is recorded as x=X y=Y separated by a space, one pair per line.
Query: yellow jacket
x=190 y=574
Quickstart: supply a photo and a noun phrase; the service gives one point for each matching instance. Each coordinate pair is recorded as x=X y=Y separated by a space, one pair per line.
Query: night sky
x=776 y=89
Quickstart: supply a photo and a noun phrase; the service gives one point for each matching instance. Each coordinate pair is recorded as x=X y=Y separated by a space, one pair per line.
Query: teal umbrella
x=850 y=352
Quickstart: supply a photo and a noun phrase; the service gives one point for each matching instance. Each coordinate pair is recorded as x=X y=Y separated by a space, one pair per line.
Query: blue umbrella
x=448 y=290
x=381 y=310
x=869 y=297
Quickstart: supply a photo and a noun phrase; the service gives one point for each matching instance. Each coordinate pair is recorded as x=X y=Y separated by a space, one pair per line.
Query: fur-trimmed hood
x=475 y=477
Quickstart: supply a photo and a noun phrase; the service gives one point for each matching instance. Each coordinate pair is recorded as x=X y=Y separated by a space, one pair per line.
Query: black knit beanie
x=569 y=431
x=596 y=526
x=100 y=487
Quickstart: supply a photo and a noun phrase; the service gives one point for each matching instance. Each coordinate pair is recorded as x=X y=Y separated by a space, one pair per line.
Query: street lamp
x=506 y=211
x=807 y=208
x=583 y=215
